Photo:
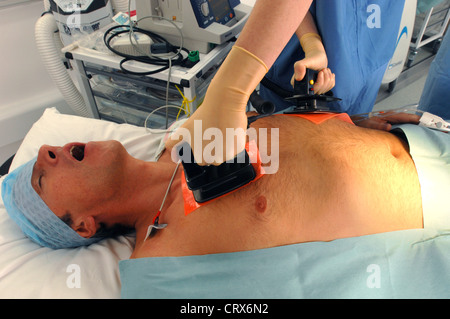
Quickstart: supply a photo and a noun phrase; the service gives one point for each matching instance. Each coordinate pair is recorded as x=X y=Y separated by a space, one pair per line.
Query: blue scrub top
x=436 y=92
x=359 y=37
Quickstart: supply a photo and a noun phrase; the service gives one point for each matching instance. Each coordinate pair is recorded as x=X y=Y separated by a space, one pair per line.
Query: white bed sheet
x=28 y=270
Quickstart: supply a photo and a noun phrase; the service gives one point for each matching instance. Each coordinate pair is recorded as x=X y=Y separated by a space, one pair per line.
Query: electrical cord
x=177 y=59
x=166 y=62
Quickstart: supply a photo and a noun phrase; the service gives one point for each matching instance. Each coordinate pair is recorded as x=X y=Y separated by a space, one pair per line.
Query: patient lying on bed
x=334 y=180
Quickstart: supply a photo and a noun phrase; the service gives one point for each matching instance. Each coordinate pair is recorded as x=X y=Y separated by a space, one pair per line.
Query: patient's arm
x=385 y=120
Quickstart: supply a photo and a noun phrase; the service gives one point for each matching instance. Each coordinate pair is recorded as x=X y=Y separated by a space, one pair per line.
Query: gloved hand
x=315 y=59
x=224 y=106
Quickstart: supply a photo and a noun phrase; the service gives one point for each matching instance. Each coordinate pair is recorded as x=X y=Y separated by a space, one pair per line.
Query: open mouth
x=77 y=152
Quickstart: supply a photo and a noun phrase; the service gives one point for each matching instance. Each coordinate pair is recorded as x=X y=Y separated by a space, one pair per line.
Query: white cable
x=151 y=113
x=168 y=187
x=134 y=42
x=135 y=45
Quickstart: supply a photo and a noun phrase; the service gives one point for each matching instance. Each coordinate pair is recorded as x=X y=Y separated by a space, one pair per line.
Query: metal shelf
x=433 y=28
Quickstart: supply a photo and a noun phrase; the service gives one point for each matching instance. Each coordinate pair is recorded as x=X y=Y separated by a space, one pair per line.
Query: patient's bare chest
x=324 y=189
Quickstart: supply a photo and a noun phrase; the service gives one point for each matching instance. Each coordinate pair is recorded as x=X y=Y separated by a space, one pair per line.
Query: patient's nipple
x=261 y=204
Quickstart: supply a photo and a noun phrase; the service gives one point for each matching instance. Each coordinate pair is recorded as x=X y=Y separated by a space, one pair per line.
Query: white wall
x=25 y=87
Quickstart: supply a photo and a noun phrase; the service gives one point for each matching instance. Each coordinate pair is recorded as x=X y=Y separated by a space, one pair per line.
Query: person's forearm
x=315 y=56
x=270 y=26
x=307 y=26
x=309 y=37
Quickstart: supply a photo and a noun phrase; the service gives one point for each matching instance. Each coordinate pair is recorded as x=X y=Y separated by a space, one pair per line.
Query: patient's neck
x=144 y=190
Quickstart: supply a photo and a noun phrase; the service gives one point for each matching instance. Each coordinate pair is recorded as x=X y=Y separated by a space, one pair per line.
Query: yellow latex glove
x=315 y=59
x=224 y=106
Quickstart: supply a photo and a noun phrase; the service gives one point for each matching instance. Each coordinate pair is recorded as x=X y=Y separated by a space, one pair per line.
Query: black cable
x=46 y=12
x=274 y=87
x=261 y=106
x=4 y=168
x=179 y=60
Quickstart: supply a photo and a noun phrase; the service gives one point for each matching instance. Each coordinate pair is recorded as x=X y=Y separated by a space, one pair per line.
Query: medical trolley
x=118 y=96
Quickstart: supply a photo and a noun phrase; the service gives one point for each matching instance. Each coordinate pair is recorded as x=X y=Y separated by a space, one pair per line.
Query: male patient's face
x=78 y=177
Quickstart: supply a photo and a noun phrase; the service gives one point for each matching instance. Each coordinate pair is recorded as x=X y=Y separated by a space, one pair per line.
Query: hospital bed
x=30 y=271
x=405 y=264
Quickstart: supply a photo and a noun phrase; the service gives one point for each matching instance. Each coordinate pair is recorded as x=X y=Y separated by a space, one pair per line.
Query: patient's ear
x=86 y=227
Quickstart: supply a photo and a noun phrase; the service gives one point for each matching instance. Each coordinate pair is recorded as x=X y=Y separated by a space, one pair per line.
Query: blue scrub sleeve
x=436 y=92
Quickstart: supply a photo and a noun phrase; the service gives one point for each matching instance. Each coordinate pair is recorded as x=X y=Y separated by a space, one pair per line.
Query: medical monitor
x=200 y=23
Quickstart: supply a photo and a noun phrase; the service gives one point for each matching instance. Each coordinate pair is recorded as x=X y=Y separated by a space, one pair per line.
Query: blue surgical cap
x=33 y=216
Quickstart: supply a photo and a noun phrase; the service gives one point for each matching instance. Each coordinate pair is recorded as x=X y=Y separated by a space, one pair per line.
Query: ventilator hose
x=45 y=29
x=46 y=5
x=261 y=106
x=120 y=5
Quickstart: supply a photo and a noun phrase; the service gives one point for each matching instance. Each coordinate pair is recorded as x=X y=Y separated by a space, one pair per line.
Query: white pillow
x=28 y=270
